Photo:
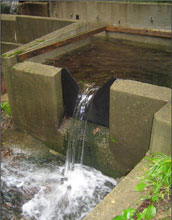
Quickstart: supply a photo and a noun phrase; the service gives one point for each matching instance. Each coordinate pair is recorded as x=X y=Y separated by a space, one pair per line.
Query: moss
x=40 y=41
x=3 y=55
x=16 y=53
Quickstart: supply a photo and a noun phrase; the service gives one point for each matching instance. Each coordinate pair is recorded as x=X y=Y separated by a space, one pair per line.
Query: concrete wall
x=161 y=131
x=159 y=42
x=132 y=108
x=34 y=8
x=8 y=34
x=117 y=13
x=23 y=29
x=36 y=101
x=35 y=27
x=29 y=78
x=7 y=46
x=132 y=104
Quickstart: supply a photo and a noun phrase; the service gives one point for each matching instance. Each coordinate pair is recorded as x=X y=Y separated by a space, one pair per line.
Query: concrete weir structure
x=140 y=113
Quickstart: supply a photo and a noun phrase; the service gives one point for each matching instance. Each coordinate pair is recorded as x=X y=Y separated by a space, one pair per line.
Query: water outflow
x=46 y=191
x=10 y=6
x=76 y=142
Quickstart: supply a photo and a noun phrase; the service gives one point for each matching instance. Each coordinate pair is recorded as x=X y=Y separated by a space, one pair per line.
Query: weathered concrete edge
x=150 y=40
x=161 y=131
x=121 y=197
x=53 y=37
x=11 y=17
x=6 y=46
x=44 y=58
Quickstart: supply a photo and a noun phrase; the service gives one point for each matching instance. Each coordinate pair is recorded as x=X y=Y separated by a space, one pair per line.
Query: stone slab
x=161 y=131
x=37 y=101
x=132 y=108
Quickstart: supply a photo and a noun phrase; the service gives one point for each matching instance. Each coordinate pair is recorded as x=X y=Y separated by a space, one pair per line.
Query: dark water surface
x=104 y=59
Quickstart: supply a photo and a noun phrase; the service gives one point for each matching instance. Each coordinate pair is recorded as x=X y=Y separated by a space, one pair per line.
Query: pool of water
x=105 y=59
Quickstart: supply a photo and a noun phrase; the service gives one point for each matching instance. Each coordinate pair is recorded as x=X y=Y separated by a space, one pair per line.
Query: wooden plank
x=45 y=49
x=148 y=32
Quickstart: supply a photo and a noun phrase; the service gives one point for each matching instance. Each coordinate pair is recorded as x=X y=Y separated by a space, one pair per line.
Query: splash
x=53 y=192
x=42 y=192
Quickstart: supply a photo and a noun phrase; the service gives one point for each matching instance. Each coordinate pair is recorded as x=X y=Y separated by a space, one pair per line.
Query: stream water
x=53 y=191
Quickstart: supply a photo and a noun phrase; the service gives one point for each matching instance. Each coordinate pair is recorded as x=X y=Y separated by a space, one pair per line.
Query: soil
x=105 y=59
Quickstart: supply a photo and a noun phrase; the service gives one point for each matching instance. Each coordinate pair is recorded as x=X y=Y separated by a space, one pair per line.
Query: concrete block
x=132 y=108
x=161 y=131
x=8 y=28
x=35 y=27
x=37 y=101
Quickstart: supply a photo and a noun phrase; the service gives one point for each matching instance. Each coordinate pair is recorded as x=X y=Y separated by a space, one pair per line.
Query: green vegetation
x=158 y=176
x=40 y=41
x=16 y=53
x=148 y=213
x=6 y=107
x=3 y=55
x=113 y=140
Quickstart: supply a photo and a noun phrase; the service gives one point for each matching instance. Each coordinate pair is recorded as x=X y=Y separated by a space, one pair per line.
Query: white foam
x=54 y=198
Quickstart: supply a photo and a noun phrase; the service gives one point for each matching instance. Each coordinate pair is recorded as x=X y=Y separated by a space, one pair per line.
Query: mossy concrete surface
x=97 y=153
x=121 y=197
x=161 y=131
x=37 y=101
x=132 y=108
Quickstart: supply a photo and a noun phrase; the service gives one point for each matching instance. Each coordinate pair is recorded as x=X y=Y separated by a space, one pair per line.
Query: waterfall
x=54 y=191
x=76 y=142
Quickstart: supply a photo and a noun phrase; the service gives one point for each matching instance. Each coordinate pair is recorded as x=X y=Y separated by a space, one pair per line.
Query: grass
x=6 y=107
x=158 y=176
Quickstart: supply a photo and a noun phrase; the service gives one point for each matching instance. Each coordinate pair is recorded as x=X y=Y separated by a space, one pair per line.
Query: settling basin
x=104 y=59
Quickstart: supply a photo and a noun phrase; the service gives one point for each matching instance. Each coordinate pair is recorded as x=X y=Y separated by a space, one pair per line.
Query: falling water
x=76 y=143
x=53 y=191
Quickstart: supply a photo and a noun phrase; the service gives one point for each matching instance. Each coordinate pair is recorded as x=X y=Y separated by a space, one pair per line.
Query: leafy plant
x=147 y=214
x=6 y=107
x=126 y=214
x=157 y=176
